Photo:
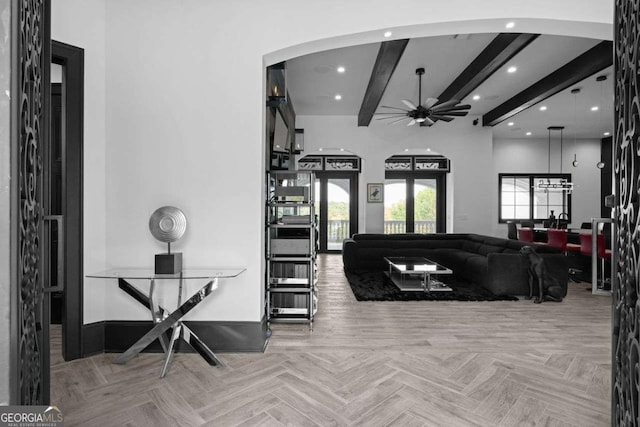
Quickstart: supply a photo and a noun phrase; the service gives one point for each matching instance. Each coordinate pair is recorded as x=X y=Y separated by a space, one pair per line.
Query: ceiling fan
x=428 y=112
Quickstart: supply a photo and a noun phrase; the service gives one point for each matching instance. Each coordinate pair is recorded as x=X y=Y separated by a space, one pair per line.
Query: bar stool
x=603 y=253
x=525 y=235
x=558 y=238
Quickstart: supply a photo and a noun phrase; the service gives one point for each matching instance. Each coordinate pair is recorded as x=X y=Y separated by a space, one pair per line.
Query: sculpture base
x=168 y=263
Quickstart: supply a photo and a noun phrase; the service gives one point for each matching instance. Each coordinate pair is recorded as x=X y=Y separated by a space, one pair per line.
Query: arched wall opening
x=373 y=156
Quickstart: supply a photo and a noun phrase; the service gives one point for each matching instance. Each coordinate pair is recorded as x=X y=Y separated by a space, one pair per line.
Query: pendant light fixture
x=601 y=79
x=562 y=184
x=575 y=93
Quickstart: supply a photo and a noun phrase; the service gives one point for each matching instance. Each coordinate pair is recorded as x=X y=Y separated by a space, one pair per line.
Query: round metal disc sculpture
x=168 y=224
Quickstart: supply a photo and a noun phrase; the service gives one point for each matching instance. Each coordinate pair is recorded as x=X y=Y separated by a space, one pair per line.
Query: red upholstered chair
x=602 y=254
x=525 y=234
x=558 y=238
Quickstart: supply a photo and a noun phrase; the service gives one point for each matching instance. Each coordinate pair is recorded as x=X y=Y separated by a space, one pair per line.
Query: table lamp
x=167 y=224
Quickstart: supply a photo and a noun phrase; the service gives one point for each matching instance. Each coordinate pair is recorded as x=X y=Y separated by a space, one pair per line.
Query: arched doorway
x=415 y=194
x=336 y=197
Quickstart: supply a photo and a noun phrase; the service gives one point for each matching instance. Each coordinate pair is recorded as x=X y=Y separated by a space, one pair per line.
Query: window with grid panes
x=520 y=200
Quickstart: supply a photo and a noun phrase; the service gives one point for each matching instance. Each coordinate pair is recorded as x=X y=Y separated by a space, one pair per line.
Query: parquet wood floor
x=374 y=364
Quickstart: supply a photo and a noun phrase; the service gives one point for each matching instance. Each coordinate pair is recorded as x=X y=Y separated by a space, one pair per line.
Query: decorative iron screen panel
x=311 y=163
x=342 y=164
x=432 y=163
x=398 y=164
x=31 y=57
x=626 y=324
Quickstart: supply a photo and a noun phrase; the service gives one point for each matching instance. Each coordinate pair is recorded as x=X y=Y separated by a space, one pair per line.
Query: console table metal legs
x=163 y=322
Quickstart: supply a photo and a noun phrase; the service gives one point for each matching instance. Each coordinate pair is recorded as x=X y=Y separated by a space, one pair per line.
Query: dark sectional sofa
x=492 y=262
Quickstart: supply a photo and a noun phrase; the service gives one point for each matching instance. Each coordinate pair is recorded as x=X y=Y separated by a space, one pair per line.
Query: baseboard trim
x=115 y=336
x=92 y=339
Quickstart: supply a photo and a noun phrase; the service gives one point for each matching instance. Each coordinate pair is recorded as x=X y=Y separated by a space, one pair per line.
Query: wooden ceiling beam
x=388 y=57
x=592 y=61
x=501 y=49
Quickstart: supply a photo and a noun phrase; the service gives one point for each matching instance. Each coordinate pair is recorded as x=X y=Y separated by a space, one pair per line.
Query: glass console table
x=163 y=319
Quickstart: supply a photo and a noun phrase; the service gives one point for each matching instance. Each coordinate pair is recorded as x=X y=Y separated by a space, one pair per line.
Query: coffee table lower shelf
x=415 y=274
x=416 y=284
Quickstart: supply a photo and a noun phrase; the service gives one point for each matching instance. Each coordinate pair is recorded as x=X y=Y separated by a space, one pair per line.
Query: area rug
x=376 y=286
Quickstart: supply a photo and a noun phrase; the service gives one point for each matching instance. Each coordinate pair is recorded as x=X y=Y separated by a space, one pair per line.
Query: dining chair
x=525 y=235
x=558 y=238
x=602 y=252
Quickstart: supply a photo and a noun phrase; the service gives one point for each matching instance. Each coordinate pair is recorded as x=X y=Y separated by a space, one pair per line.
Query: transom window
x=521 y=197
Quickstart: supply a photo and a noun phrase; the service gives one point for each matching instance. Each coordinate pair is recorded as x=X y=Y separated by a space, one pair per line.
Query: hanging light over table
x=563 y=184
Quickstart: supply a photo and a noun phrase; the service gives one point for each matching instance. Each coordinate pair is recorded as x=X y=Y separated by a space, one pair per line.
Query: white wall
x=532 y=156
x=81 y=23
x=181 y=88
x=476 y=161
x=467 y=146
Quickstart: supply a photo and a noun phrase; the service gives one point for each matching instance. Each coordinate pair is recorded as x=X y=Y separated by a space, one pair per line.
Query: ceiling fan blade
x=412 y=122
x=428 y=121
x=452 y=113
x=398 y=121
x=443 y=118
x=395 y=112
x=447 y=104
x=459 y=107
x=430 y=102
x=395 y=108
x=409 y=104
x=392 y=117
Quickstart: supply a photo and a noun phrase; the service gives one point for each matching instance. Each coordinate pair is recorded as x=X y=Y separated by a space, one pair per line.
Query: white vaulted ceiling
x=313 y=82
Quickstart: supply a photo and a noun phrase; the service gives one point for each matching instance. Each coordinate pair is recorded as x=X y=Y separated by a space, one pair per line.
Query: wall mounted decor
x=375 y=193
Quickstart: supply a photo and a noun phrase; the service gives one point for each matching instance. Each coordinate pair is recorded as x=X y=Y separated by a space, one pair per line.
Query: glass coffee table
x=411 y=274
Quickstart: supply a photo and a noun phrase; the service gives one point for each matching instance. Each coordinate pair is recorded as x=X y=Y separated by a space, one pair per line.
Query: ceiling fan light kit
x=427 y=112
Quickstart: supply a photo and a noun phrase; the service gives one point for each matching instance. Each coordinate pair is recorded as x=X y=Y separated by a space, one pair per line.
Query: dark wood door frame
x=72 y=60
x=441 y=201
x=323 y=177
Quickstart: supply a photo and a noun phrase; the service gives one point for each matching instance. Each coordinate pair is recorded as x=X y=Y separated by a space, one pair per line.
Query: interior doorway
x=62 y=198
x=415 y=202
x=336 y=208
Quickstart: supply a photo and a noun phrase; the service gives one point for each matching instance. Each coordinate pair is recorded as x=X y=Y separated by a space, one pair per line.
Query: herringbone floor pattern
x=373 y=364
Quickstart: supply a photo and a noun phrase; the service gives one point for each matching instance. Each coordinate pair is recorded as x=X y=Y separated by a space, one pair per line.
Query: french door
x=414 y=202
x=336 y=208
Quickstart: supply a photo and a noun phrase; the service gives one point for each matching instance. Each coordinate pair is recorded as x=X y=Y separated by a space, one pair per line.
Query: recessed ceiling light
x=341 y=69
x=510 y=25
x=512 y=69
x=510 y=124
x=606 y=134
x=387 y=34
x=528 y=133
x=476 y=97
x=338 y=97
x=428 y=149
x=319 y=149
x=342 y=149
x=543 y=108
x=406 y=149
x=594 y=108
